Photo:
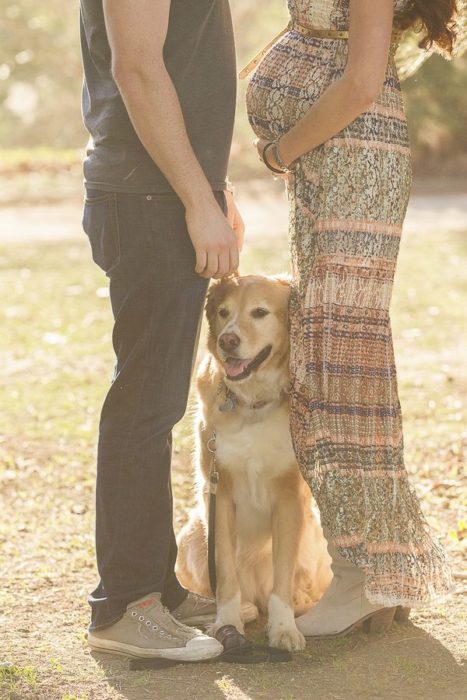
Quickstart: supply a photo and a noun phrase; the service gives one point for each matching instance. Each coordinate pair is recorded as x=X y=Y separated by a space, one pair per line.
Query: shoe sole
x=178 y=654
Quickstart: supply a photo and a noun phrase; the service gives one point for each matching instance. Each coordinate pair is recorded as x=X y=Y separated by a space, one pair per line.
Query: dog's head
x=248 y=325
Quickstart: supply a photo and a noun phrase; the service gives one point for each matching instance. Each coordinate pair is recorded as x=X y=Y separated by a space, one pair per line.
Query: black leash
x=213 y=483
x=237 y=650
x=230 y=404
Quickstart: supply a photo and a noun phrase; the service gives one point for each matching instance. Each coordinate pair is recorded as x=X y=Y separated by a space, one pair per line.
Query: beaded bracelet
x=287 y=168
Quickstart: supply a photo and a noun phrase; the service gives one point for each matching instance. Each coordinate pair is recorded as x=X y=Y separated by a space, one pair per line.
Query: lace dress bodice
x=329 y=14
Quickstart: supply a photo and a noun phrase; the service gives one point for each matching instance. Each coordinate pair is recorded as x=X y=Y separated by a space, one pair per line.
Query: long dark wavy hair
x=436 y=18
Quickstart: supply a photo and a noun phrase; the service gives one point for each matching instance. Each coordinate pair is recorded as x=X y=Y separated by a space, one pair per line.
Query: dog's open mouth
x=237 y=368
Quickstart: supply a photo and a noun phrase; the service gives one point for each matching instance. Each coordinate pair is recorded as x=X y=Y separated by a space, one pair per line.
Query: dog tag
x=228 y=405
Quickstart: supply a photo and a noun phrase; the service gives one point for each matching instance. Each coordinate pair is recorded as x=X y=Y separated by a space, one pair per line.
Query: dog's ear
x=285 y=281
x=283 y=278
x=214 y=296
x=217 y=289
x=216 y=293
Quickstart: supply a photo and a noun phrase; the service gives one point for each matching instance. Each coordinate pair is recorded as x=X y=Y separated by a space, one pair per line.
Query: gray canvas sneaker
x=198 y=610
x=195 y=610
x=148 y=630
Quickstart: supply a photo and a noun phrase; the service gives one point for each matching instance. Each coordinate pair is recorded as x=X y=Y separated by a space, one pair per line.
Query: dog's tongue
x=234 y=367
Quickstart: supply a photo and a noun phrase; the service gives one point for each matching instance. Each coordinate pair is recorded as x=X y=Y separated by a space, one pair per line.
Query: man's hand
x=213 y=239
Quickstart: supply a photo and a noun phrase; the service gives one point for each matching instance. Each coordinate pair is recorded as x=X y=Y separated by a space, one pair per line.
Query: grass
x=56 y=362
x=12 y=677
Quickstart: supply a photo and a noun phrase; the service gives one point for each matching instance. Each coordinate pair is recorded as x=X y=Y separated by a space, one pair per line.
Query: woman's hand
x=260 y=144
x=354 y=93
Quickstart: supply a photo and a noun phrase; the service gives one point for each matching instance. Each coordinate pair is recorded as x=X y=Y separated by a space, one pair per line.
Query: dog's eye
x=223 y=313
x=259 y=312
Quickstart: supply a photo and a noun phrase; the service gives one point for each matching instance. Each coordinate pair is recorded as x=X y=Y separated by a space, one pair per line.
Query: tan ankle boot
x=344 y=606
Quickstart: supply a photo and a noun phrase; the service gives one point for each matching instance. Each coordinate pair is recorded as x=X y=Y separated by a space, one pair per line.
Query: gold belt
x=304 y=31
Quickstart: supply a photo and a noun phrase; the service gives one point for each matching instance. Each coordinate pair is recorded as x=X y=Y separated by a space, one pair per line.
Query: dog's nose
x=229 y=341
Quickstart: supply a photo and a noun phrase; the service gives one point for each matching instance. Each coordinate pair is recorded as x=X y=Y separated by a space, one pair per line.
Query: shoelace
x=198 y=602
x=164 y=629
x=190 y=631
x=154 y=625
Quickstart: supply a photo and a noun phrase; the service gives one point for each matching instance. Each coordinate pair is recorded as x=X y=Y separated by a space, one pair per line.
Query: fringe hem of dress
x=392 y=601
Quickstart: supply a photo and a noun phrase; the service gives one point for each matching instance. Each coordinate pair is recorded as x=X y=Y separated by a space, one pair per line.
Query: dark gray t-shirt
x=200 y=58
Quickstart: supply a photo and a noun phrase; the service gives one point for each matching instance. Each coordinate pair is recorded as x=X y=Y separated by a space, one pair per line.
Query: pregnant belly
x=291 y=77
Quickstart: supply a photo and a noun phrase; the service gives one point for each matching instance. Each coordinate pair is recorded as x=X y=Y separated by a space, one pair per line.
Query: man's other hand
x=235 y=219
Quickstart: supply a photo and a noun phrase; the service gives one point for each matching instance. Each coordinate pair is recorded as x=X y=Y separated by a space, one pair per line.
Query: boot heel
x=402 y=614
x=380 y=621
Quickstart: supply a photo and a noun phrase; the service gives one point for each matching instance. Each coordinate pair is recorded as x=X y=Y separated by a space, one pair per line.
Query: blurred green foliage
x=436 y=101
x=40 y=74
x=40 y=82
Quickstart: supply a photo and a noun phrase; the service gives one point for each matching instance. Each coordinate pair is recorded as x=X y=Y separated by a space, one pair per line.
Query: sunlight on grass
x=230 y=690
x=57 y=359
x=13 y=678
x=57 y=363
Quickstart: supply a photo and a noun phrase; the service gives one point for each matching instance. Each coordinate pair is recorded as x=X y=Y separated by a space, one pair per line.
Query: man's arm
x=137 y=33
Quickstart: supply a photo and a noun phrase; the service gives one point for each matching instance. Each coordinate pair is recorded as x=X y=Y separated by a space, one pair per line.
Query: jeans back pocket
x=100 y=223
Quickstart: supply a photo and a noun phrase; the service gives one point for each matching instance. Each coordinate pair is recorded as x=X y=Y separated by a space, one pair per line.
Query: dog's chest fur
x=255 y=447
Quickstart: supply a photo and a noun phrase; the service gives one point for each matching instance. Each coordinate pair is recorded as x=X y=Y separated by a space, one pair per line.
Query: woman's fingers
x=260 y=144
x=259 y=147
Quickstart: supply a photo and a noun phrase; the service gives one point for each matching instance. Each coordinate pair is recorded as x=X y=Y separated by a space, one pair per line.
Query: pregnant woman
x=326 y=105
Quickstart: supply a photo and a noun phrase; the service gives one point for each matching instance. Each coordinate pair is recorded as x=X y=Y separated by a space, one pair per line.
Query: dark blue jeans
x=142 y=243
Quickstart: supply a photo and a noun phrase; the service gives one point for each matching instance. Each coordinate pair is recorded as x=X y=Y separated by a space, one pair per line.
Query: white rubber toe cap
x=203 y=647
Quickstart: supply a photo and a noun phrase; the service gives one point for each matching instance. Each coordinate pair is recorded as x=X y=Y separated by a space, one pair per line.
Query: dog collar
x=231 y=400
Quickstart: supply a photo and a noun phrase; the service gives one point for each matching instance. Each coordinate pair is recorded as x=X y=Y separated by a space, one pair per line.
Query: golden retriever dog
x=270 y=550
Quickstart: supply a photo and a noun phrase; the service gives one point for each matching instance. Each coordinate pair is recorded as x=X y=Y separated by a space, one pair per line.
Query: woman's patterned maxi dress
x=347 y=204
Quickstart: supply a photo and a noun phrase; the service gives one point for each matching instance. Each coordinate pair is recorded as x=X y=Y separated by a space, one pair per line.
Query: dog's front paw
x=282 y=630
x=286 y=638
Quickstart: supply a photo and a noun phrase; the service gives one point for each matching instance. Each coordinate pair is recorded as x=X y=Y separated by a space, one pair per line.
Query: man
x=158 y=101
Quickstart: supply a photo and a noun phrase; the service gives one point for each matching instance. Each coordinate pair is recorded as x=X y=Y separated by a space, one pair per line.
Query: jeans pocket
x=100 y=223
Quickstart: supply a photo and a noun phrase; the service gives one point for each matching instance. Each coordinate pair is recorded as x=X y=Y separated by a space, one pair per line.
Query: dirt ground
x=55 y=365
